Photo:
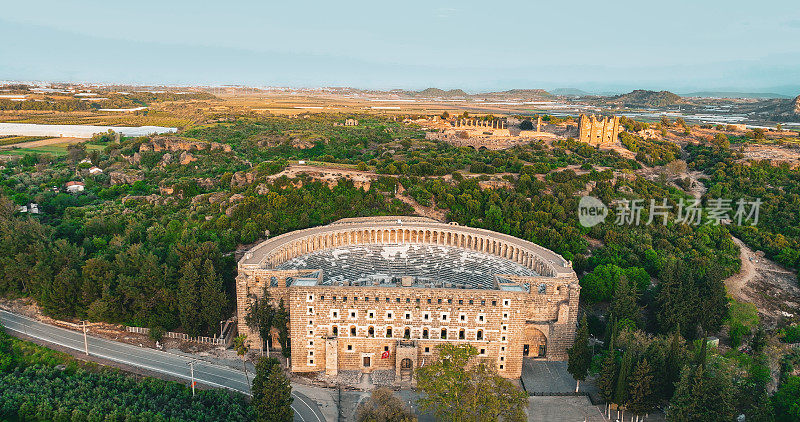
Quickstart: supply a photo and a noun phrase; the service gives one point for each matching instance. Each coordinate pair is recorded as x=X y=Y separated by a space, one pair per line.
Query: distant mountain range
x=734 y=94
x=438 y=93
x=787 y=110
x=515 y=94
x=644 y=98
x=570 y=92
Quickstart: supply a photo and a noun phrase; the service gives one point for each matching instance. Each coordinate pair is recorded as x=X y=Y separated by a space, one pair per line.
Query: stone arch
x=535 y=344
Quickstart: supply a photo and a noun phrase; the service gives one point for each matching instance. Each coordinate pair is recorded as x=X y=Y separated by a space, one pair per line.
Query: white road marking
x=97 y=343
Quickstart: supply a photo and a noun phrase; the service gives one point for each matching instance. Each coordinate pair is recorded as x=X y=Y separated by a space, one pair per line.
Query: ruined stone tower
x=598 y=132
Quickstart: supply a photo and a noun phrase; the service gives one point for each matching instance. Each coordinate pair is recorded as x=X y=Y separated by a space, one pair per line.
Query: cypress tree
x=608 y=374
x=640 y=388
x=623 y=304
x=282 y=323
x=621 y=389
x=580 y=357
x=188 y=300
x=272 y=392
x=673 y=364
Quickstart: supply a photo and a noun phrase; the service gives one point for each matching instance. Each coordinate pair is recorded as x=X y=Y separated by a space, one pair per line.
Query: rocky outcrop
x=127 y=177
x=174 y=143
x=788 y=111
x=240 y=179
x=186 y=158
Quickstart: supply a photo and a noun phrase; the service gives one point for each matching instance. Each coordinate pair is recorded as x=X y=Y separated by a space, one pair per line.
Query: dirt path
x=45 y=142
x=767 y=285
x=422 y=210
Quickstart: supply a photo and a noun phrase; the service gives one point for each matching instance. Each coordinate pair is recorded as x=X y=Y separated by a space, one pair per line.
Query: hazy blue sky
x=593 y=45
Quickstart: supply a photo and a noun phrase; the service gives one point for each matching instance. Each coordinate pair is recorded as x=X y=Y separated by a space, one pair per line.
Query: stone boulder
x=186 y=158
x=128 y=177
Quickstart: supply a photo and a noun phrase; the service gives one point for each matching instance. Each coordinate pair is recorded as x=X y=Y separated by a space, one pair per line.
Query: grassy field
x=55 y=149
x=100 y=119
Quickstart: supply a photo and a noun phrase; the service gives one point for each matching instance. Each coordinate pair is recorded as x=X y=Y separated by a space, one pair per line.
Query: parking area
x=548 y=377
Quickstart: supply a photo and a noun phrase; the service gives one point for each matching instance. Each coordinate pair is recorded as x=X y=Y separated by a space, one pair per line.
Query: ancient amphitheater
x=382 y=293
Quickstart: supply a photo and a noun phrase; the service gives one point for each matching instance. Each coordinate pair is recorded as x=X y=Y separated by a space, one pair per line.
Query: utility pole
x=85 y=339
x=191 y=371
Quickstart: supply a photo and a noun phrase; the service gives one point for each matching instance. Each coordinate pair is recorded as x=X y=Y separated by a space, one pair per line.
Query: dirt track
x=770 y=287
x=44 y=143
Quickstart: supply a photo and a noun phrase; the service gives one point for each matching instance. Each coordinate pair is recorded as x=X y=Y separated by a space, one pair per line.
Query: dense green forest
x=131 y=254
x=38 y=384
x=777 y=186
x=152 y=241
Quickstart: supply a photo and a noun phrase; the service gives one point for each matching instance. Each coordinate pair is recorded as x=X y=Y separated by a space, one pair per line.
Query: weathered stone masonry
x=344 y=326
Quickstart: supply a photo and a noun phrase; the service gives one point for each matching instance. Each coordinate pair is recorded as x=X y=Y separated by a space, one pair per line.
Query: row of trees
x=39 y=384
x=263 y=316
x=638 y=372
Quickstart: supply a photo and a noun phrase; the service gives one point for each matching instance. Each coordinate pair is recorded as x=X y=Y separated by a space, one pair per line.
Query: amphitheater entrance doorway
x=535 y=345
x=406 y=370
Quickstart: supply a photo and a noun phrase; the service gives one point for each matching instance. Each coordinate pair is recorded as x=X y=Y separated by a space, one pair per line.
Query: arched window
x=389 y=332
x=335 y=330
x=352 y=331
x=461 y=334
x=371 y=332
x=443 y=334
x=479 y=335
x=425 y=333
x=407 y=333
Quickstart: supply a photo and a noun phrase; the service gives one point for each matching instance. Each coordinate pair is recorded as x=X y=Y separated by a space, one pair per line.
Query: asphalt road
x=305 y=410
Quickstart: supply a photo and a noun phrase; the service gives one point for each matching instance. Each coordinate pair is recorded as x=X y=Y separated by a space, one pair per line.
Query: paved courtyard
x=549 y=377
x=563 y=408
